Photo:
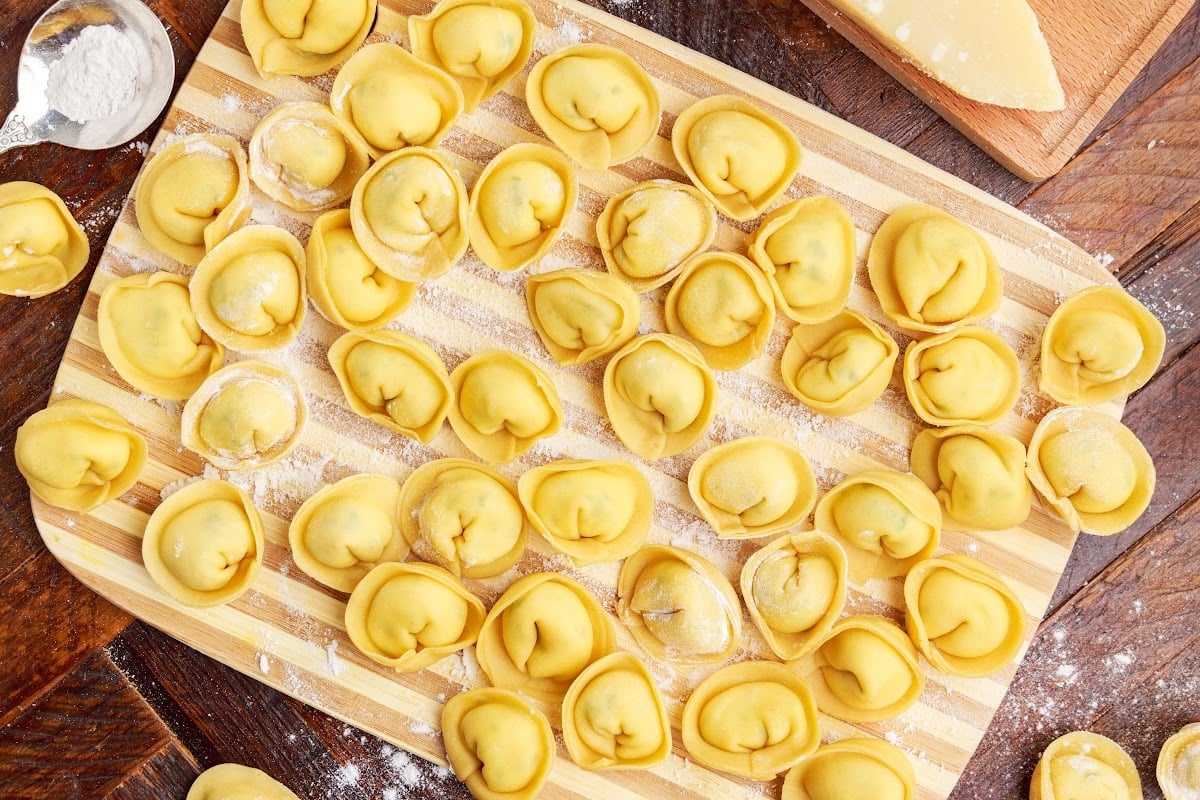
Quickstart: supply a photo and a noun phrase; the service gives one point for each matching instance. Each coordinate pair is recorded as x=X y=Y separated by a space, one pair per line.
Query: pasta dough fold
x=1084 y=764
x=613 y=716
x=497 y=744
x=750 y=487
x=962 y=377
x=1178 y=768
x=978 y=475
x=841 y=366
x=236 y=782
x=722 y=304
x=504 y=403
x=304 y=38
x=852 y=769
x=42 y=247
x=581 y=314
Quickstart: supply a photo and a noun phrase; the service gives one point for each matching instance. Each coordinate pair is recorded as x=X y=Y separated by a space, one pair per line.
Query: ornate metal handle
x=15 y=133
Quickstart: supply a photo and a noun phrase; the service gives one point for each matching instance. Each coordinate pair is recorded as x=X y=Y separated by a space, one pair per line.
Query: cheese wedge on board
x=986 y=50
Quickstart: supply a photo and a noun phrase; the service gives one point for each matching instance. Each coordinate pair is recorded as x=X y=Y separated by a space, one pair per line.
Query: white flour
x=96 y=76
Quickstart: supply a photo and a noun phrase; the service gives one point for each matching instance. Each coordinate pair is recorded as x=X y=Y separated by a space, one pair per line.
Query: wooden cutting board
x=288 y=631
x=1098 y=47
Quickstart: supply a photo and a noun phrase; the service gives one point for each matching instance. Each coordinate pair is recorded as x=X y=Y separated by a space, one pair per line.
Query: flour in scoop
x=97 y=74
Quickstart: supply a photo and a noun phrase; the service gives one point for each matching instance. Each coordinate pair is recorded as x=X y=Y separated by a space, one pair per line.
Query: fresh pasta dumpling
x=395 y=100
x=678 y=606
x=722 y=304
x=581 y=314
x=962 y=616
x=751 y=487
x=962 y=377
x=498 y=744
x=932 y=272
x=394 y=380
x=304 y=37
x=203 y=545
x=541 y=634
x=244 y=416
x=978 y=475
x=151 y=337
x=852 y=769
x=660 y=395
x=520 y=204
x=248 y=292
x=864 y=670
x=409 y=214
x=1101 y=343
x=77 y=454
x=613 y=716
x=887 y=521
x=806 y=249
x=193 y=193
x=237 y=782
x=462 y=516
x=340 y=533
x=481 y=44
x=344 y=284
x=1090 y=470
x=1084 y=764
x=648 y=231
x=1178 y=768
x=795 y=589
x=42 y=247
x=755 y=719
x=304 y=157
x=595 y=102
x=736 y=153
x=408 y=615
x=841 y=366
x=593 y=511
x=504 y=403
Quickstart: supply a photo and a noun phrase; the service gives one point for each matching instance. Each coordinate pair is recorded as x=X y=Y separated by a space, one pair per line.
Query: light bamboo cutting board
x=287 y=631
x=1098 y=47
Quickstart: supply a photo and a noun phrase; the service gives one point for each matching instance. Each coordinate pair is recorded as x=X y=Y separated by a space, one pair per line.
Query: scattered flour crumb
x=348 y=775
x=1105 y=259
x=1150 y=145
x=337 y=664
x=264 y=663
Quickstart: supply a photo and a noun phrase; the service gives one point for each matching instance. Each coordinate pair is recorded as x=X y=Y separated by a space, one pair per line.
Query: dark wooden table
x=94 y=704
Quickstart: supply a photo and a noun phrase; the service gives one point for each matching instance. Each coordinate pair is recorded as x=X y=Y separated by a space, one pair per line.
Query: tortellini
x=409 y=214
x=395 y=100
x=659 y=394
x=1101 y=343
x=304 y=38
x=1178 y=769
x=203 y=545
x=1083 y=764
x=482 y=44
x=78 y=455
x=249 y=292
x=520 y=204
x=736 y=153
x=237 y=782
x=1090 y=470
x=841 y=366
x=678 y=606
x=344 y=284
x=887 y=521
x=962 y=377
x=931 y=272
x=42 y=247
x=304 y=157
x=498 y=744
x=751 y=487
x=394 y=380
x=541 y=634
x=463 y=517
x=581 y=314
x=244 y=416
x=978 y=475
x=852 y=769
x=648 y=231
x=864 y=670
x=193 y=193
x=593 y=511
x=613 y=716
x=503 y=405
x=806 y=249
x=795 y=589
x=722 y=304
x=754 y=719
x=151 y=337
x=595 y=102
x=341 y=532
x=408 y=615
x=962 y=616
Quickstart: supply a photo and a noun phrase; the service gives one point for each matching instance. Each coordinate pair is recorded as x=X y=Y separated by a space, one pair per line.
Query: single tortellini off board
x=304 y=37
x=504 y=403
x=42 y=247
x=755 y=486
x=237 y=782
x=962 y=377
x=841 y=366
x=613 y=716
x=581 y=314
x=1178 y=768
x=978 y=475
x=498 y=744
x=852 y=769
x=1083 y=764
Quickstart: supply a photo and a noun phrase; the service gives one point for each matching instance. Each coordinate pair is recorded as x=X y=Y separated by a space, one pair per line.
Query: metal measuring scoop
x=34 y=120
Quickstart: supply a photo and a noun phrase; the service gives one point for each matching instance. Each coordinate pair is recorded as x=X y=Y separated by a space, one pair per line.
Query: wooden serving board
x=1098 y=47
x=288 y=631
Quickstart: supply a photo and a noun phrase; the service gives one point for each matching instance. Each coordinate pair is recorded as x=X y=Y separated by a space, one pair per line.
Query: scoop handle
x=16 y=133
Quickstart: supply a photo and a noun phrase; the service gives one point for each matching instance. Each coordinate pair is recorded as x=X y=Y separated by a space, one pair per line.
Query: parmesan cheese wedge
x=986 y=50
